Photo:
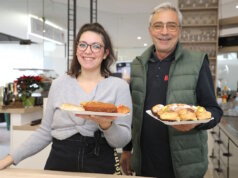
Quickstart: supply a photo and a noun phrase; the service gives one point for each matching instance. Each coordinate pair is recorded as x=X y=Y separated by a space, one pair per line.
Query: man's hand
x=184 y=127
x=5 y=162
x=125 y=162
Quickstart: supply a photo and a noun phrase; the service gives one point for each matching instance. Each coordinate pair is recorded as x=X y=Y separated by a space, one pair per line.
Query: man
x=166 y=73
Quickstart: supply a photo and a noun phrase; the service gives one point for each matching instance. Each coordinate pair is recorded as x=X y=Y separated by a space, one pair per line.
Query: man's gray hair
x=167 y=6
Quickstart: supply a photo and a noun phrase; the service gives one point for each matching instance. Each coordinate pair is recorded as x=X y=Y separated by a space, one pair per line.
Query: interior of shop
x=34 y=41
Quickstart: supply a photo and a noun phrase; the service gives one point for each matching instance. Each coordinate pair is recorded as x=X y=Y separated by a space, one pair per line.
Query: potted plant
x=26 y=85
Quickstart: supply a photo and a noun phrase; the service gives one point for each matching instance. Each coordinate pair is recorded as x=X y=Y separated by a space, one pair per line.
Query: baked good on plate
x=169 y=116
x=97 y=106
x=123 y=109
x=72 y=107
x=187 y=114
x=180 y=112
x=157 y=109
x=201 y=113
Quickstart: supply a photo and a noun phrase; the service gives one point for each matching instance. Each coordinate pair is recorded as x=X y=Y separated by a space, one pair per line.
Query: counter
x=20 y=130
x=21 y=116
x=23 y=173
x=230 y=126
x=224 y=152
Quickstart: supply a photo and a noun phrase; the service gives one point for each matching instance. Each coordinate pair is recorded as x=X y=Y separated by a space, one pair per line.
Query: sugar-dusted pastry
x=157 y=109
x=169 y=116
x=187 y=114
x=202 y=114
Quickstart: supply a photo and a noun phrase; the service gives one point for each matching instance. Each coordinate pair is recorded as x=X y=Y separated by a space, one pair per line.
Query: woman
x=82 y=143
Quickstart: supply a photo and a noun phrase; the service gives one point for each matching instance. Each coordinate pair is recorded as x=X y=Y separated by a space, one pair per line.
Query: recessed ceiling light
x=139 y=38
x=236 y=6
x=145 y=44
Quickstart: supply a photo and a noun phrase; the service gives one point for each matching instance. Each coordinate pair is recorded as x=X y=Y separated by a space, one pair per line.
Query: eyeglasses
x=170 y=26
x=95 y=47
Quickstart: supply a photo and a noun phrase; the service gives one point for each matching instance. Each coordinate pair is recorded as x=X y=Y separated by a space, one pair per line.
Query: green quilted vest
x=189 y=149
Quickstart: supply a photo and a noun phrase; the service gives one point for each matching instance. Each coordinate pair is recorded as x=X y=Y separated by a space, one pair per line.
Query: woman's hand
x=5 y=162
x=103 y=121
x=125 y=162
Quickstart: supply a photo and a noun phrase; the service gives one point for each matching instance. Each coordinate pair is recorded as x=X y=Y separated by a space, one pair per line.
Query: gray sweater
x=63 y=124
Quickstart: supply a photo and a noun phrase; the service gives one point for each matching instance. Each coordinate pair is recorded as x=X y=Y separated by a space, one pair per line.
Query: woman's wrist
x=105 y=125
x=6 y=162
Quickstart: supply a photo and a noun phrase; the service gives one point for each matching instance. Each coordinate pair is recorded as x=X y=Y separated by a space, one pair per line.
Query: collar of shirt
x=169 y=58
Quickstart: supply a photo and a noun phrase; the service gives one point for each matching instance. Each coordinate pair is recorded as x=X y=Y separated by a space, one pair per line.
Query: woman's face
x=90 y=51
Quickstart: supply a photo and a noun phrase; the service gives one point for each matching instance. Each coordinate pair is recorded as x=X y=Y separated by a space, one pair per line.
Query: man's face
x=165 y=31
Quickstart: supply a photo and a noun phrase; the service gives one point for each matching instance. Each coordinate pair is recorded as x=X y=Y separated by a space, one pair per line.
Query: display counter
x=23 y=173
x=21 y=116
x=224 y=153
x=230 y=126
x=20 y=130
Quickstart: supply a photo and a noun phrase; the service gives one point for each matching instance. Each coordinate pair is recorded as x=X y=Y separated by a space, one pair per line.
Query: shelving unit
x=200 y=28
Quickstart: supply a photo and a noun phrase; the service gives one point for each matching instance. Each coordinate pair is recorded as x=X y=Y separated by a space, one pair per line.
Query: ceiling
x=124 y=20
x=131 y=18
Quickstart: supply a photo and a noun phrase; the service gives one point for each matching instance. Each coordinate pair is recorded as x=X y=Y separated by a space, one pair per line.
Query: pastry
x=169 y=116
x=123 y=109
x=97 y=106
x=157 y=109
x=202 y=114
x=187 y=114
x=180 y=112
x=72 y=107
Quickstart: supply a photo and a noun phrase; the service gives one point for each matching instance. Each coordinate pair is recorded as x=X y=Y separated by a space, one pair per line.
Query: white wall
x=18 y=56
x=29 y=56
x=227 y=71
x=42 y=55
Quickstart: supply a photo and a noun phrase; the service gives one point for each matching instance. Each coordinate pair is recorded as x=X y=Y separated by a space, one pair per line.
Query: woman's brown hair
x=75 y=68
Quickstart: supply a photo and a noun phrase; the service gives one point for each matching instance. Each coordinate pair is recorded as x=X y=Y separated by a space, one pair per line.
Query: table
x=23 y=173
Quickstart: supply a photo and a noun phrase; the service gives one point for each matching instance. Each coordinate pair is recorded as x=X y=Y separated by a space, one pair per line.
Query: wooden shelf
x=198 y=42
x=199 y=25
x=198 y=8
x=212 y=58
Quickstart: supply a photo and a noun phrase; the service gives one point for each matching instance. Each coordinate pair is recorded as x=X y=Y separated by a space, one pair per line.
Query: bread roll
x=123 y=109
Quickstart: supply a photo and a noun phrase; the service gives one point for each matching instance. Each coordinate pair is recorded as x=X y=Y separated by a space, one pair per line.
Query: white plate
x=96 y=113
x=178 y=122
x=99 y=113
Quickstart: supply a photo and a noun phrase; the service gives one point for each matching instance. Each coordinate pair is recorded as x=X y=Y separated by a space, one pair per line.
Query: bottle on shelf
x=5 y=96
x=224 y=95
x=236 y=104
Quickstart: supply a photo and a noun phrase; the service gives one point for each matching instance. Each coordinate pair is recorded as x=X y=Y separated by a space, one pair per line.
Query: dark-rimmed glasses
x=170 y=26
x=95 y=47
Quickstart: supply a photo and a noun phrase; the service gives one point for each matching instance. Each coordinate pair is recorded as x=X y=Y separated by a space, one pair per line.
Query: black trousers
x=83 y=154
